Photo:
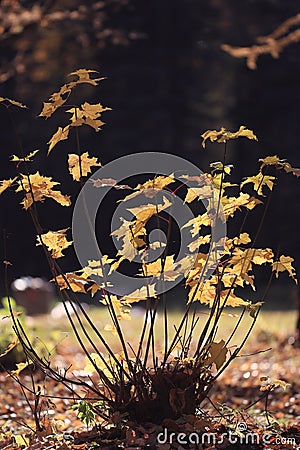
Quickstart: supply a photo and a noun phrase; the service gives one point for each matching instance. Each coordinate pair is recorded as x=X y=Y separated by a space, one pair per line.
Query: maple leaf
x=218 y=352
x=55 y=241
x=26 y=158
x=37 y=187
x=253 y=308
x=60 y=135
x=269 y=161
x=80 y=166
x=5 y=184
x=83 y=76
x=120 y=306
x=203 y=192
x=109 y=182
x=228 y=298
x=259 y=181
x=289 y=169
x=71 y=280
x=88 y=114
x=12 y=102
x=140 y=294
x=223 y=135
x=232 y=204
x=20 y=367
x=56 y=100
x=157 y=269
x=151 y=187
x=284 y=264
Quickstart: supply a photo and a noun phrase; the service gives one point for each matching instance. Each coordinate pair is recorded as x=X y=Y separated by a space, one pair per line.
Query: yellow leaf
x=109 y=182
x=37 y=188
x=269 y=161
x=80 y=166
x=12 y=102
x=284 y=264
x=120 y=306
x=151 y=187
x=228 y=298
x=83 y=76
x=5 y=184
x=259 y=181
x=242 y=239
x=55 y=241
x=218 y=352
x=88 y=114
x=71 y=281
x=233 y=204
x=167 y=271
x=223 y=135
x=60 y=135
x=21 y=366
x=26 y=158
x=200 y=193
x=141 y=294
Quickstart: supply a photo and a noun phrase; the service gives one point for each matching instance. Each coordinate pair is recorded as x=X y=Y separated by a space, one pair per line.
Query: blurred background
x=168 y=80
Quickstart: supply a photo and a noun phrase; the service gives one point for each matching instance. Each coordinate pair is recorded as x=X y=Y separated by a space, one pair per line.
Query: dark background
x=168 y=80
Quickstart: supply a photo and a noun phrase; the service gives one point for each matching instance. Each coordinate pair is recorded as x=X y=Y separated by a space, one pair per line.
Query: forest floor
x=235 y=416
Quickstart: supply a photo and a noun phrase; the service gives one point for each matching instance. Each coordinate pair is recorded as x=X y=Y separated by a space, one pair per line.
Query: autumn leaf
x=223 y=135
x=83 y=76
x=204 y=192
x=108 y=182
x=55 y=241
x=5 y=184
x=218 y=352
x=158 y=269
x=12 y=102
x=88 y=114
x=269 y=161
x=259 y=181
x=253 y=308
x=37 y=187
x=20 y=367
x=60 y=135
x=71 y=281
x=120 y=306
x=233 y=204
x=284 y=264
x=80 y=166
x=26 y=158
x=140 y=294
x=151 y=187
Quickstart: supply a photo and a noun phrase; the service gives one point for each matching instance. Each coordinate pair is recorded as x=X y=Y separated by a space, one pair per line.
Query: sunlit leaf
x=38 y=187
x=284 y=264
x=5 y=184
x=26 y=158
x=151 y=187
x=12 y=102
x=60 y=135
x=259 y=181
x=55 y=241
x=223 y=135
x=71 y=281
x=108 y=182
x=80 y=166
